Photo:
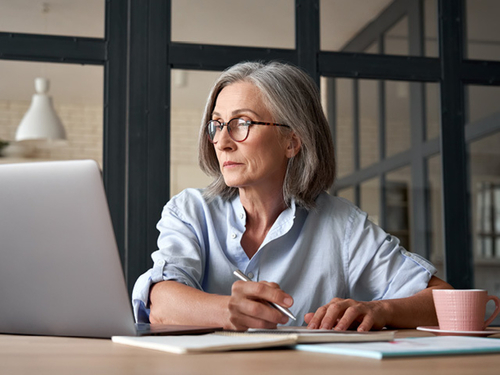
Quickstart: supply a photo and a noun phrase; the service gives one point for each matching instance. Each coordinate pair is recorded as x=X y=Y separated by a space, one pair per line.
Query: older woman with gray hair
x=267 y=144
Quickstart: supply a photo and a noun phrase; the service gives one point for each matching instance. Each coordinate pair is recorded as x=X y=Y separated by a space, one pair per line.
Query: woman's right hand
x=249 y=305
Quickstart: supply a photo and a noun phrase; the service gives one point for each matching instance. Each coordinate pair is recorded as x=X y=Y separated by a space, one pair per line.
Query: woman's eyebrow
x=238 y=111
x=243 y=110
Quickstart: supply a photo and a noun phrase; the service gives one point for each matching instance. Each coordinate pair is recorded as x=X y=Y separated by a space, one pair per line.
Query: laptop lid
x=60 y=271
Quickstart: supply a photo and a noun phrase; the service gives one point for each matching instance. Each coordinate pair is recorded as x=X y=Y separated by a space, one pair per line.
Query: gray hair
x=292 y=98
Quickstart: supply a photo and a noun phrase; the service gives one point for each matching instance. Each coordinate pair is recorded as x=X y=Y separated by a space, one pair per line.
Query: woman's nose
x=225 y=141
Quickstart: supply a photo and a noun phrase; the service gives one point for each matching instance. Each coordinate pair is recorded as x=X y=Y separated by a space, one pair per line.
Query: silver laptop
x=60 y=271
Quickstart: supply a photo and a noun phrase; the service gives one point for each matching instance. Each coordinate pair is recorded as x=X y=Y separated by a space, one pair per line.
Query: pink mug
x=463 y=309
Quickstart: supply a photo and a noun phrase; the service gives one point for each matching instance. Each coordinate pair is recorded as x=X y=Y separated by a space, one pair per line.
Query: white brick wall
x=83 y=124
x=184 y=172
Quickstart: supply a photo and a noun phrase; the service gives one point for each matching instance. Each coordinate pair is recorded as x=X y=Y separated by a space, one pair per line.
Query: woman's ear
x=293 y=147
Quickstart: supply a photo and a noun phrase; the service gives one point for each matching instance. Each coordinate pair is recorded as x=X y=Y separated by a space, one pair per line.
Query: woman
x=265 y=140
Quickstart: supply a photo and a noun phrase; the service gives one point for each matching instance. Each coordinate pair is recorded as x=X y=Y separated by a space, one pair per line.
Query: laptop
x=60 y=270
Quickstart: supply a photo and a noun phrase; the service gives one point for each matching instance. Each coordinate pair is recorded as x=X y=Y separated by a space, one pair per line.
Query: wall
x=83 y=124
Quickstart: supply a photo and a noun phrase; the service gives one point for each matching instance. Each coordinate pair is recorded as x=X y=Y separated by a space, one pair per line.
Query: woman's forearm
x=175 y=303
x=414 y=311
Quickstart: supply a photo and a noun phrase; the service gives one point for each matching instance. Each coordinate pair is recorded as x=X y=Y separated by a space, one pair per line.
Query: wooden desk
x=57 y=355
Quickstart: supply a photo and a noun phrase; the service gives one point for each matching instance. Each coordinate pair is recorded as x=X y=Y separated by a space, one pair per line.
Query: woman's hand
x=249 y=307
x=341 y=314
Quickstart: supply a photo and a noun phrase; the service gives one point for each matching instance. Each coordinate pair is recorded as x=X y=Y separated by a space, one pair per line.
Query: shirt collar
x=282 y=225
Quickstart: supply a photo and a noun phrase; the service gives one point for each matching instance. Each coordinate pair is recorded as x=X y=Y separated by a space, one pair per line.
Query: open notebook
x=305 y=335
x=255 y=339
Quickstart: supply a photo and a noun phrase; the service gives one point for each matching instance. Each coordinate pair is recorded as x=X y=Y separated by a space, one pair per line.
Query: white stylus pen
x=284 y=310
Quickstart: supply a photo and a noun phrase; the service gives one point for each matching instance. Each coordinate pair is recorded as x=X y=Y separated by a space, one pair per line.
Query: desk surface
x=55 y=355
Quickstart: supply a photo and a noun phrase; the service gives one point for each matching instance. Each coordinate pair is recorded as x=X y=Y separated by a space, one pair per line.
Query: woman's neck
x=262 y=211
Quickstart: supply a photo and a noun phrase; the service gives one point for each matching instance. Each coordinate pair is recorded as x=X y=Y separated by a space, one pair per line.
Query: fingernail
x=312 y=326
x=284 y=320
x=288 y=301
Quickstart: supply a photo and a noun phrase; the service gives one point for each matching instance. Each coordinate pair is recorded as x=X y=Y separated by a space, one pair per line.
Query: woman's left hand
x=341 y=314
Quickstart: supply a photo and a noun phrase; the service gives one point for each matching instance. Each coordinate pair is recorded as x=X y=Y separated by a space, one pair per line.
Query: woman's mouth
x=230 y=164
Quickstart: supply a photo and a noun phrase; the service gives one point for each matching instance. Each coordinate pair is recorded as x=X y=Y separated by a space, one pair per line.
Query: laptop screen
x=60 y=271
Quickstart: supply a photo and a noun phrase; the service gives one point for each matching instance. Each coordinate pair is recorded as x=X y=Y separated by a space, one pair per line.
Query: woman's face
x=258 y=163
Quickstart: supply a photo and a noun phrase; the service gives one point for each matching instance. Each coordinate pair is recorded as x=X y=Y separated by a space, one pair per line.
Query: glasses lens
x=212 y=127
x=238 y=129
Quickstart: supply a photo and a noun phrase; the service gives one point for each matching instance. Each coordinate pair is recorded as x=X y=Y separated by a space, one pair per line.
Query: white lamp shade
x=41 y=120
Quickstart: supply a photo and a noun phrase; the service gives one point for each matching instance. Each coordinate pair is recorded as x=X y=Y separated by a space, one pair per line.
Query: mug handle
x=495 y=313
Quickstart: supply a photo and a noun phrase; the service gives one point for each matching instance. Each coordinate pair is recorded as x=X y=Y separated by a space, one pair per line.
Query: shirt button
x=233 y=236
x=250 y=275
x=161 y=263
x=242 y=216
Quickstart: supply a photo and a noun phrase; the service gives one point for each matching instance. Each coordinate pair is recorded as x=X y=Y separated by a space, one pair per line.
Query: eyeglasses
x=237 y=128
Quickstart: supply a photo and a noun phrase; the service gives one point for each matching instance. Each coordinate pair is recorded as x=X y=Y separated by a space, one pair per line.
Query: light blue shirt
x=330 y=251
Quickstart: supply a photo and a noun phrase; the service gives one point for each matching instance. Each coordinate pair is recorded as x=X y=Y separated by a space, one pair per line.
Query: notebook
x=60 y=271
x=251 y=339
x=410 y=347
x=214 y=342
x=305 y=335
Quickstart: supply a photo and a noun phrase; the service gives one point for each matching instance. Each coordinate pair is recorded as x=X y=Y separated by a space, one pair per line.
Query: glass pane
x=485 y=207
x=77 y=96
x=396 y=39
x=431 y=28
x=483 y=102
x=397 y=200
x=370 y=199
x=344 y=143
x=483 y=29
x=83 y=18
x=435 y=214
x=258 y=23
x=347 y=194
x=341 y=21
x=432 y=110
x=190 y=90
x=485 y=175
x=368 y=122
x=397 y=128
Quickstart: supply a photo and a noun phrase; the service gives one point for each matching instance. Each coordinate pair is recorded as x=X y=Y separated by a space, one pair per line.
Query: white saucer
x=441 y=332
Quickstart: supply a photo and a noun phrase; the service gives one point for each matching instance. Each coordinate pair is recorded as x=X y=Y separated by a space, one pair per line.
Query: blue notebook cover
x=409 y=347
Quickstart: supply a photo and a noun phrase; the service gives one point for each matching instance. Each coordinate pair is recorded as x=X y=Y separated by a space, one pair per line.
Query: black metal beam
x=137 y=139
x=158 y=127
x=114 y=122
x=148 y=130
x=457 y=236
x=307 y=36
x=363 y=65
x=52 y=48
x=218 y=58
x=480 y=72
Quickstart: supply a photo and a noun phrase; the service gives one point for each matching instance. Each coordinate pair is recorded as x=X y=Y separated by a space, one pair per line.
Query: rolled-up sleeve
x=378 y=266
x=179 y=258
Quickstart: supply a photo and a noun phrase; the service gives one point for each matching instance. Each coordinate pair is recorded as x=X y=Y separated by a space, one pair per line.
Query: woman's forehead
x=239 y=96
